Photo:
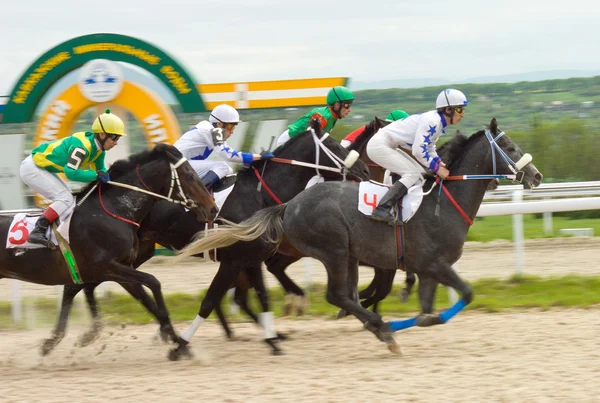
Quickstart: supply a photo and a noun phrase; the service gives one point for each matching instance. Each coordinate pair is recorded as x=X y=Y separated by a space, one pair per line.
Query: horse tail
x=266 y=224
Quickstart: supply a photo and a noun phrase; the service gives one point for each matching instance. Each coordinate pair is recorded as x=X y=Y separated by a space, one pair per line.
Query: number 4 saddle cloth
x=370 y=193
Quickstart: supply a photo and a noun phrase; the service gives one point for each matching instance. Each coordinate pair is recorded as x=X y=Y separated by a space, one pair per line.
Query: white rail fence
x=506 y=200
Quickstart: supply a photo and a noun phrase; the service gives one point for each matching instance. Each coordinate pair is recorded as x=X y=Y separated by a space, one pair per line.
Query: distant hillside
x=508 y=78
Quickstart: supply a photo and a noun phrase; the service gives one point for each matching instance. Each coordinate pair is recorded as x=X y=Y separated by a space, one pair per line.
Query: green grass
x=487 y=229
x=491 y=295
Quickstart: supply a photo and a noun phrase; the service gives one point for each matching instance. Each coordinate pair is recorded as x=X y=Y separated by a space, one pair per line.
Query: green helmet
x=396 y=115
x=339 y=94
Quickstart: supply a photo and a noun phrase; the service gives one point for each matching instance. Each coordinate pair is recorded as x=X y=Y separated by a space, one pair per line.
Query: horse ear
x=494 y=126
x=315 y=124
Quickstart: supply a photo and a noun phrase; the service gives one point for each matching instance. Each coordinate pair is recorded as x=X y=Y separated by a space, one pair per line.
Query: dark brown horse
x=105 y=246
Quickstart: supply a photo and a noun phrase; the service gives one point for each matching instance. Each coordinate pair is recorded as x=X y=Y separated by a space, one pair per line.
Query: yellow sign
x=269 y=94
x=159 y=121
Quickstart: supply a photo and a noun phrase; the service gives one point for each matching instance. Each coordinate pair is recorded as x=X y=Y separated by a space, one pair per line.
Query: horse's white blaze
x=352 y=157
x=525 y=159
x=266 y=321
x=192 y=329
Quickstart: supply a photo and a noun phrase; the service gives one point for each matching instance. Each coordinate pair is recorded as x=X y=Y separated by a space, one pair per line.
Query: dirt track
x=543 y=257
x=516 y=357
x=524 y=356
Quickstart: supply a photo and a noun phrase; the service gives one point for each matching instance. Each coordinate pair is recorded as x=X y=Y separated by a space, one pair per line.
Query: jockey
x=211 y=135
x=339 y=105
x=406 y=147
x=80 y=157
x=392 y=117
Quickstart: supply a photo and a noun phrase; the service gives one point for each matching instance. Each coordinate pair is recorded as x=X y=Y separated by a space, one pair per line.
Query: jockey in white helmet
x=407 y=147
x=210 y=135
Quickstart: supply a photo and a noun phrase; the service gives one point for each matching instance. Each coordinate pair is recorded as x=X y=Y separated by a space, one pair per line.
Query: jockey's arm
x=423 y=148
x=72 y=169
x=100 y=164
x=229 y=154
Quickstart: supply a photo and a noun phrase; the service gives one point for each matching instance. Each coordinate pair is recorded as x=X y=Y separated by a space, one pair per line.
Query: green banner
x=72 y=54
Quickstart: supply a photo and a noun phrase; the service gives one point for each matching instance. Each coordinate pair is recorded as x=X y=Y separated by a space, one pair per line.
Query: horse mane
x=452 y=151
x=123 y=166
x=362 y=139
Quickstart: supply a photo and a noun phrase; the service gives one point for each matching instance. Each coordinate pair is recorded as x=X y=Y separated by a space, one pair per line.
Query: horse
x=323 y=222
x=172 y=227
x=104 y=224
x=382 y=282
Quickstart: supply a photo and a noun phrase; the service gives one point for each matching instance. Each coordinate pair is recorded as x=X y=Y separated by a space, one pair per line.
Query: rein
x=185 y=201
x=341 y=164
x=515 y=167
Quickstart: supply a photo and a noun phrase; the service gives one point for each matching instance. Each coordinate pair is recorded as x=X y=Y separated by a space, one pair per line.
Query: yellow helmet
x=109 y=124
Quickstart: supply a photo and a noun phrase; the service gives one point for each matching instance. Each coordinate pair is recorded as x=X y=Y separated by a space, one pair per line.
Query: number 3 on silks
x=20 y=227
x=217 y=135
x=373 y=203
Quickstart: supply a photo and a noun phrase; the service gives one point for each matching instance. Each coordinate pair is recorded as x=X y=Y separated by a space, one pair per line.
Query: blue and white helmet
x=450 y=97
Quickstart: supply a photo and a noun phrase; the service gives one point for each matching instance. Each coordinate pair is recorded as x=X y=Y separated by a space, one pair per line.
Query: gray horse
x=323 y=222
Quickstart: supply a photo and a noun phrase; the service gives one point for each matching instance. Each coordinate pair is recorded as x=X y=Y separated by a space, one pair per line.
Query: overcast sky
x=239 y=40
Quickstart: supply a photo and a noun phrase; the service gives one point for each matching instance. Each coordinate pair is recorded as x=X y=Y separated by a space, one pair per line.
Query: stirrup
x=41 y=241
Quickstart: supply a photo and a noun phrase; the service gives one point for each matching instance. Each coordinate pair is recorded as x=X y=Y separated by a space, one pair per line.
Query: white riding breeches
x=49 y=185
x=283 y=138
x=388 y=156
x=221 y=168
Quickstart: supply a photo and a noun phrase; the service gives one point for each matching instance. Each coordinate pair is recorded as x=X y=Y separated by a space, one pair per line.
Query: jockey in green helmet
x=339 y=105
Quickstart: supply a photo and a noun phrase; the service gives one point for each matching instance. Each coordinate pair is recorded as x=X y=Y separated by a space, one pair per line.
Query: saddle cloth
x=22 y=225
x=370 y=193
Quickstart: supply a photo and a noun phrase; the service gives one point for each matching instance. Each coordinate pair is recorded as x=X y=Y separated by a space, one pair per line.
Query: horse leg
x=339 y=290
x=126 y=274
x=364 y=294
x=69 y=293
x=227 y=273
x=276 y=265
x=427 y=290
x=384 y=287
x=223 y=320
x=256 y=280
x=410 y=281
x=446 y=275
x=92 y=334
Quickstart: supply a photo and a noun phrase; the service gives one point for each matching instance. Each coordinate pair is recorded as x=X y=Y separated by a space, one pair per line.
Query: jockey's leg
x=211 y=171
x=51 y=187
x=396 y=161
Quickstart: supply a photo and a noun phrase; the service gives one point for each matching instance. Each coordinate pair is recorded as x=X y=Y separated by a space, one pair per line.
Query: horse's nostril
x=539 y=176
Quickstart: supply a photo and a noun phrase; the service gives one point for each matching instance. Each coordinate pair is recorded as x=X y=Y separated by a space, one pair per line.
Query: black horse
x=323 y=222
x=171 y=226
x=382 y=282
x=103 y=228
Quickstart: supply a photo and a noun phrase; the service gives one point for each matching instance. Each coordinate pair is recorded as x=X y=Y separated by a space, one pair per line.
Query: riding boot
x=383 y=210
x=38 y=235
x=210 y=179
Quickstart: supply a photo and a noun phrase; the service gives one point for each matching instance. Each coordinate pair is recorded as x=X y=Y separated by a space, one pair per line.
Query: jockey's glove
x=266 y=155
x=103 y=176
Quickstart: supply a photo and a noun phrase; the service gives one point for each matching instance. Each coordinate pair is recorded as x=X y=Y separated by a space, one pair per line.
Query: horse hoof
x=277 y=352
x=288 y=305
x=341 y=314
x=282 y=336
x=394 y=348
x=426 y=320
x=300 y=304
x=180 y=352
x=47 y=346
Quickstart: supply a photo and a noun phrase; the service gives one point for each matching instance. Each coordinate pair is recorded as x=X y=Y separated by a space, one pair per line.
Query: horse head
x=495 y=153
